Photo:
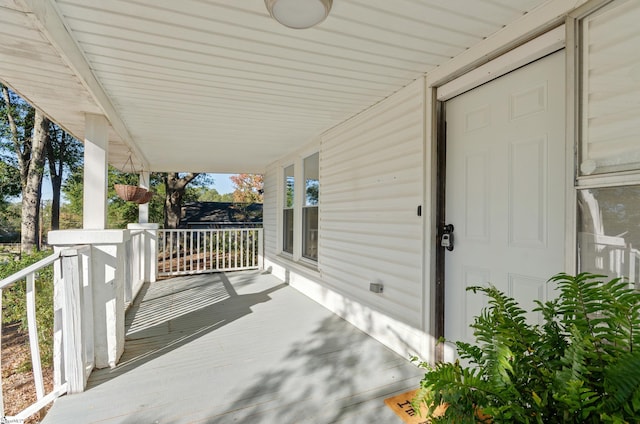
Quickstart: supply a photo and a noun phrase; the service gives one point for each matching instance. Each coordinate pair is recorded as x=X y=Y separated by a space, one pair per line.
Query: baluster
x=36 y=362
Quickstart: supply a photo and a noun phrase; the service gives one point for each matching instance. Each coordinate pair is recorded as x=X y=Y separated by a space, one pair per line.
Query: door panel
x=505 y=190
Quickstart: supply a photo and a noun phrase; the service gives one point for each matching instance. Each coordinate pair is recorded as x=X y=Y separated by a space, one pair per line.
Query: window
x=609 y=231
x=310 y=209
x=287 y=212
x=610 y=90
x=608 y=165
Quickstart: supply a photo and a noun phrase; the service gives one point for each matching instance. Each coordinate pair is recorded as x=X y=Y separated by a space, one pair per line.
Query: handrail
x=21 y=275
x=29 y=275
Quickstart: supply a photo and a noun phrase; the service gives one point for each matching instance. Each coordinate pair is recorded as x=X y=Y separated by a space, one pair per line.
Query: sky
x=221 y=182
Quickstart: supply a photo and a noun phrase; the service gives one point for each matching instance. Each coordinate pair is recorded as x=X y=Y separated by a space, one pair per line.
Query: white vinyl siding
x=611 y=89
x=371 y=174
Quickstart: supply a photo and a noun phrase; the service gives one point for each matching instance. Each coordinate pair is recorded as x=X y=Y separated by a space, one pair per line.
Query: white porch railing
x=94 y=283
x=72 y=314
x=191 y=251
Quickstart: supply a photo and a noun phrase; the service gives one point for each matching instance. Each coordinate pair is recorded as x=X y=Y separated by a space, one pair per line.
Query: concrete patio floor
x=239 y=348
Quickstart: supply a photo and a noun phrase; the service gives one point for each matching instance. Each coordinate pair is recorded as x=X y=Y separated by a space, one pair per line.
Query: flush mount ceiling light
x=299 y=14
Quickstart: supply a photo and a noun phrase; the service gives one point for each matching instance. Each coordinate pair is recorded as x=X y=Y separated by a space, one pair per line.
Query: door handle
x=446 y=237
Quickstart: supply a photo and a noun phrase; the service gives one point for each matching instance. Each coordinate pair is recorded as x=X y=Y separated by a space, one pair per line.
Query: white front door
x=505 y=190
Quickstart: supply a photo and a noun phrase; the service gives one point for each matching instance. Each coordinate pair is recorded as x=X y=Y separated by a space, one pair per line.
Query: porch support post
x=74 y=319
x=143 y=210
x=94 y=209
x=107 y=274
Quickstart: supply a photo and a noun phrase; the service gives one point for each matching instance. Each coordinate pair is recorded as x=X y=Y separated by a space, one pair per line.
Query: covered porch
x=347 y=122
x=239 y=347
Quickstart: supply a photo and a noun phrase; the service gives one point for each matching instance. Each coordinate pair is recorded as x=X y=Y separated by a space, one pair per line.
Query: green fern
x=582 y=365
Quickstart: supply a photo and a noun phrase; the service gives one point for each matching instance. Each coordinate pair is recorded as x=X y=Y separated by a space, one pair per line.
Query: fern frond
x=461 y=388
x=622 y=383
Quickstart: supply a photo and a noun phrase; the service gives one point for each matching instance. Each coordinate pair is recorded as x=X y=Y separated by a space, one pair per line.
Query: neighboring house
x=514 y=121
x=220 y=215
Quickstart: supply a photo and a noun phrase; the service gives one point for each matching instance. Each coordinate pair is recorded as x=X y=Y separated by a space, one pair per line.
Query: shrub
x=582 y=365
x=14 y=302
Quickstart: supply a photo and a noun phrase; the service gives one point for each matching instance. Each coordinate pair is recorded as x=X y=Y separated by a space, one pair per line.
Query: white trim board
x=537 y=48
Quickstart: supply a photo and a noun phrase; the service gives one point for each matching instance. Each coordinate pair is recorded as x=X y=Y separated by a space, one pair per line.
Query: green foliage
x=119 y=212
x=9 y=182
x=22 y=113
x=205 y=194
x=10 y=220
x=582 y=365
x=15 y=305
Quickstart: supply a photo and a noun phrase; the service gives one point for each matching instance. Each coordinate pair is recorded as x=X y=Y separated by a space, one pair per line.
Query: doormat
x=401 y=405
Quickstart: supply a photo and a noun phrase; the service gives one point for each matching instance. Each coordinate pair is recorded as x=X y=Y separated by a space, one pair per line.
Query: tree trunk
x=32 y=190
x=174 y=188
x=55 y=172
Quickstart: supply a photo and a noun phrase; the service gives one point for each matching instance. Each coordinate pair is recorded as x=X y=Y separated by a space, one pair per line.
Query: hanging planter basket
x=145 y=198
x=130 y=193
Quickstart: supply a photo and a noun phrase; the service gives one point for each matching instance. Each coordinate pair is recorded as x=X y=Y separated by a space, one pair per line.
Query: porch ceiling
x=217 y=85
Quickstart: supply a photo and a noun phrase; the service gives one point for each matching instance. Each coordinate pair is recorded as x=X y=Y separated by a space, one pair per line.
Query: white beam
x=96 y=148
x=46 y=17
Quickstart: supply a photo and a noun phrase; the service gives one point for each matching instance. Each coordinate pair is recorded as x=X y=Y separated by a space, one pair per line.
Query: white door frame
x=522 y=55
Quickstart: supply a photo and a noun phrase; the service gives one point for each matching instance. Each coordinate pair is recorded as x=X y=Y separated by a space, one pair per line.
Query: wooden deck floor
x=239 y=348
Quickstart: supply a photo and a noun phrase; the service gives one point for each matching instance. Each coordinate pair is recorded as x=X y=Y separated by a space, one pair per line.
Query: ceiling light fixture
x=299 y=14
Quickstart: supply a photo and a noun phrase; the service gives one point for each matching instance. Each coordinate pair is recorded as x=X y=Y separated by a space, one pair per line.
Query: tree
x=64 y=152
x=175 y=186
x=248 y=188
x=28 y=131
x=206 y=194
x=32 y=189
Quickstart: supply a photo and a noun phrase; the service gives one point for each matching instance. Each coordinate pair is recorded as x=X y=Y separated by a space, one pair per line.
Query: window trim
x=304 y=206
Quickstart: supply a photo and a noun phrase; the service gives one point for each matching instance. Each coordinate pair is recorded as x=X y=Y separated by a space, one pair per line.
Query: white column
x=96 y=148
x=107 y=274
x=143 y=210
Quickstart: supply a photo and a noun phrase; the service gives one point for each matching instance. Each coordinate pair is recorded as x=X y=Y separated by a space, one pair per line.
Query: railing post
x=148 y=252
x=129 y=262
x=260 y=248
x=58 y=306
x=151 y=253
x=72 y=321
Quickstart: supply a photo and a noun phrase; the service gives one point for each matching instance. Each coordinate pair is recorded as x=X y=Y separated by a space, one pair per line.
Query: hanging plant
x=132 y=193
x=145 y=198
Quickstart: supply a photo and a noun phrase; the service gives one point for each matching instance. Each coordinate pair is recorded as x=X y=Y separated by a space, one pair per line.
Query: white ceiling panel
x=219 y=86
